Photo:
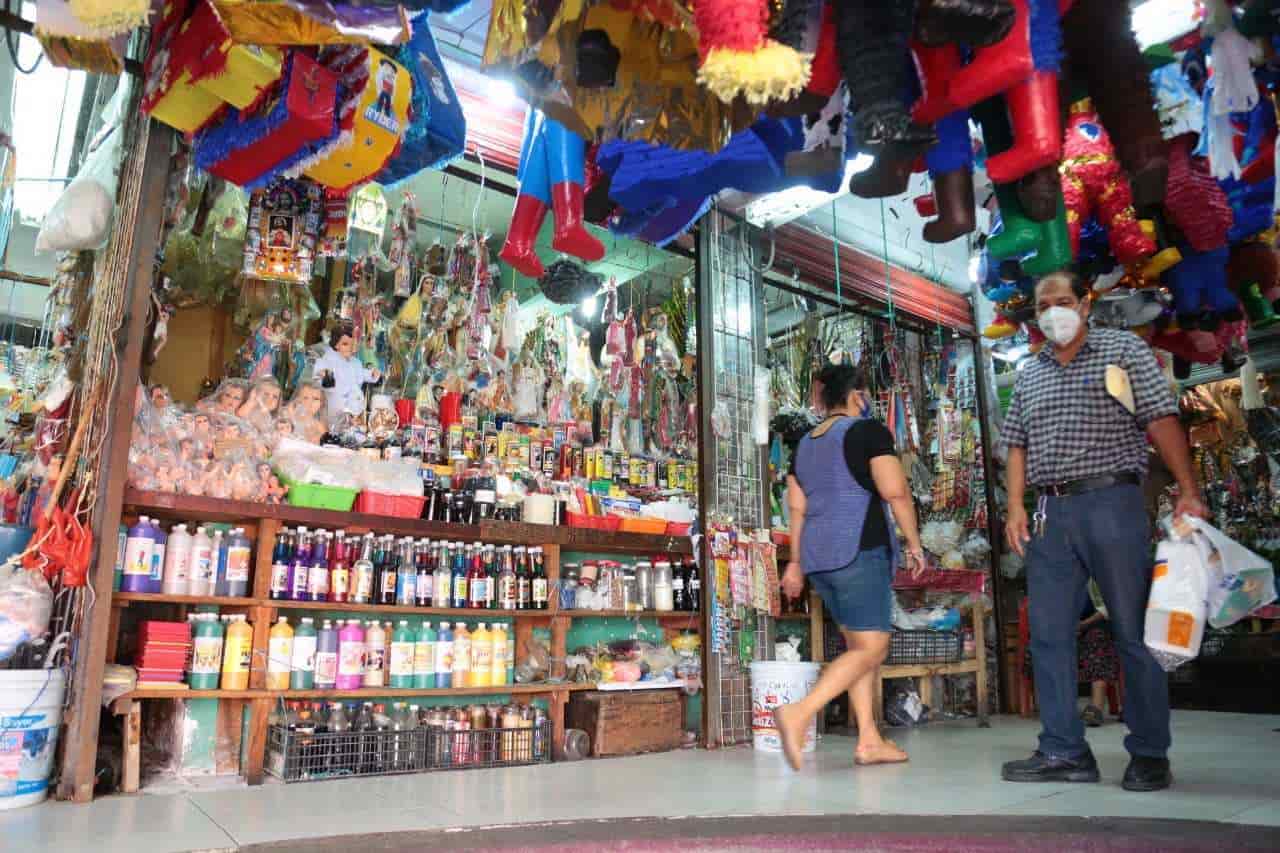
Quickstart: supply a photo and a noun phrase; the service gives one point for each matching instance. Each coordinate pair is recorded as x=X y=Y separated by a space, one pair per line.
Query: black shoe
x=1092 y=716
x=1041 y=768
x=1147 y=774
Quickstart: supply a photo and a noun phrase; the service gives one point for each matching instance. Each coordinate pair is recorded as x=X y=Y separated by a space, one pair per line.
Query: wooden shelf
x=409 y=610
x=168 y=598
x=692 y=616
x=177 y=507
x=361 y=693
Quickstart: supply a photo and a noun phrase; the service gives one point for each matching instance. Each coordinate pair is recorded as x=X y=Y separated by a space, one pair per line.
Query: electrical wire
x=12 y=40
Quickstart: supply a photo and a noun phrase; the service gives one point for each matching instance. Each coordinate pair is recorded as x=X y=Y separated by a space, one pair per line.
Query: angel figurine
x=505 y=321
x=260 y=351
x=528 y=389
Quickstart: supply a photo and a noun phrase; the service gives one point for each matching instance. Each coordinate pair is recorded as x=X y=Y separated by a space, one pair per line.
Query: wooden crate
x=628 y=723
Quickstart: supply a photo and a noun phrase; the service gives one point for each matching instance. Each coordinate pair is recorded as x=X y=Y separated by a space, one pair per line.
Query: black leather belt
x=1089 y=484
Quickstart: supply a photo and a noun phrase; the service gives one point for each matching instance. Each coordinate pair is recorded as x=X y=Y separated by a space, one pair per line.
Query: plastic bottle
x=481 y=657
x=339 y=758
x=443 y=576
x=477 y=581
x=375 y=662
x=498 y=660
x=350 y=656
x=206 y=653
x=362 y=572
x=318 y=574
x=280 y=557
x=402 y=651
x=200 y=580
x=300 y=568
x=326 y=656
x=177 y=560
x=425 y=586
x=511 y=657
x=424 y=657
x=459 y=577
x=339 y=569
x=444 y=656
x=239 y=553
x=388 y=570
x=406 y=574
x=302 y=668
x=220 y=562
x=158 y=551
x=461 y=655
x=122 y=539
x=280 y=655
x=237 y=651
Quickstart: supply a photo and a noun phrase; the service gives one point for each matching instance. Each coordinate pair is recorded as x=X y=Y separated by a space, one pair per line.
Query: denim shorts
x=859 y=596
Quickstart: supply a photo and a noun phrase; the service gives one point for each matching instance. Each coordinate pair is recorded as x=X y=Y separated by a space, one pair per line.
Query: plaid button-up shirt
x=1070 y=426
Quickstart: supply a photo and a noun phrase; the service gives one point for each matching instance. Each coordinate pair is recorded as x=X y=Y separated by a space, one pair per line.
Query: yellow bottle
x=236 y=653
x=499 y=666
x=481 y=656
x=280 y=655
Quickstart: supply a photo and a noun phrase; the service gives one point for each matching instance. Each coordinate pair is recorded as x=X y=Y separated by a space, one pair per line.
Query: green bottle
x=302 y=669
x=403 y=641
x=206 y=653
x=424 y=658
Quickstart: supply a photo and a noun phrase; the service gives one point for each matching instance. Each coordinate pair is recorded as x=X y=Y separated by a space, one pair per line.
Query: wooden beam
x=80 y=755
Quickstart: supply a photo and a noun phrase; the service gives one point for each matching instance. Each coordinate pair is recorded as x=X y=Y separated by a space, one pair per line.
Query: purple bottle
x=157 y=557
x=138 y=545
x=300 y=568
x=350 y=656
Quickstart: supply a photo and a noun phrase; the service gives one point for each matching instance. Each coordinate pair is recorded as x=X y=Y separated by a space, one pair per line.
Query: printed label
x=539 y=589
x=351 y=659
x=326 y=667
x=304 y=654
x=137 y=557
x=279 y=579
x=300 y=581
x=339 y=580
x=1181 y=625
x=444 y=657
x=206 y=655
x=424 y=658
x=318 y=583
x=402 y=659
x=237 y=564
x=1161 y=569
x=279 y=654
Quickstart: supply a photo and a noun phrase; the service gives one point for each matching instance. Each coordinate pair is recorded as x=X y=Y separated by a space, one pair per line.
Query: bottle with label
x=280 y=655
x=318 y=573
x=326 y=656
x=200 y=581
x=679 y=598
x=339 y=569
x=406 y=575
x=498 y=660
x=424 y=657
x=444 y=656
x=425 y=586
x=481 y=657
x=206 y=653
x=539 y=572
x=663 y=593
x=511 y=655
x=237 y=651
x=300 y=568
x=507 y=581
x=693 y=586
x=459 y=576
x=375 y=650
x=402 y=655
x=302 y=669
x=490 y=577
x=384 y=564
x=281 y=555
x=362 y=573
x=160 y=541
x=219 y=540
x=524 y=581
x=443 y=574
x=461 y=655
x=350 y=656
x=177 y=559
x=239 y=553
x=476 y=578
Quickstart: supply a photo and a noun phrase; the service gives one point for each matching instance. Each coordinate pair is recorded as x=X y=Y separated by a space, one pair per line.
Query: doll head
x=310 y=400
x=343 y=340
x=231 y=396
x=160 y=397
x=264 y=398
x=283 y=428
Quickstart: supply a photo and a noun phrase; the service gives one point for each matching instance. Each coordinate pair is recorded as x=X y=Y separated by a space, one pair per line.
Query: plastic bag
x=1239 y=581
x=1176 y=607
x=26 y=601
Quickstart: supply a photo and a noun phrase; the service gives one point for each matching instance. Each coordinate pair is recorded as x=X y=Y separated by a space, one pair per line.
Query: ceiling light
x=588 y=306
x=779 y=208
x=501 y=93
x=1157 y=21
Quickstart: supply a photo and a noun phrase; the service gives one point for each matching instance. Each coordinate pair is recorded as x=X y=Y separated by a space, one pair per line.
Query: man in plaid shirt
x=1080 y=441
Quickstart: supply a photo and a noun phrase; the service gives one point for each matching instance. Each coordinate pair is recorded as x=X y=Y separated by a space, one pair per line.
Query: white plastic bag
x=1176 y=608
x=1239 y=581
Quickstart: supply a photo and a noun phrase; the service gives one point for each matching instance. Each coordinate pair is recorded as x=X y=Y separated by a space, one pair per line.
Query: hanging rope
x=835 y=252
x=888 y=270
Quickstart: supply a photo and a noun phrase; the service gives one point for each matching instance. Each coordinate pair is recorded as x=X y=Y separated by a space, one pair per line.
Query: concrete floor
x=1224 y=765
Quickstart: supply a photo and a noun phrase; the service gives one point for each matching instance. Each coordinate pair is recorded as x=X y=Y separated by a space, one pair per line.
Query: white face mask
x=1060 y=325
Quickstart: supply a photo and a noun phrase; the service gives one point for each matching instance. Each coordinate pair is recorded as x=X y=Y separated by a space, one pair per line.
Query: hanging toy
x=551 y=175
x=738 y=56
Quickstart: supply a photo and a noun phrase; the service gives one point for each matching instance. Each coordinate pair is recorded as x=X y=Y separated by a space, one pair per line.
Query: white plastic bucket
x=30 y=713
x=775 y=683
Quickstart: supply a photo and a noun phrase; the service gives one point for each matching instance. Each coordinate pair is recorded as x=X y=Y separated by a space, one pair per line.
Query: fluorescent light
x=785 y=205
x=1157 y=21
x=588 y=306
x=501 y=92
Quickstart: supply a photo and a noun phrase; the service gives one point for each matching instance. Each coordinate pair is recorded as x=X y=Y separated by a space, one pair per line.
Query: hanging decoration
x=284 y=221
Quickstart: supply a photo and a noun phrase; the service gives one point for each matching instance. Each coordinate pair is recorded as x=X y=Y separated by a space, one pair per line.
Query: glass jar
x=568 y=586
x=663 y=591
x=630 y=591
x=644 y=584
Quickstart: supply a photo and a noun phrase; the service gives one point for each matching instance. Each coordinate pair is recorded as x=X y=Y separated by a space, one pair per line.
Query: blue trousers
x=1104 y=535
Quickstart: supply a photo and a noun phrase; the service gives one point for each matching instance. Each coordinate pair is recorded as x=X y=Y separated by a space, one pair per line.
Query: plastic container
x=206 y=653
x=30 y=713
x=593 y=522
x=395 y=506
x=302 y=666
x=678 y=528
x=13 y=540
x=775 y=683
x=314 y=496
x=237 y=652
x=652 y=526
x=280 y=655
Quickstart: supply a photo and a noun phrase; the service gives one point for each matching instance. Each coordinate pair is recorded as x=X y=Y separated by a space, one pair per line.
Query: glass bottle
x=538 y=571
x=663 y=591
x=524 y=583
x=362 y=573
x=477 y=580
x=424 y=590
x=507 y=581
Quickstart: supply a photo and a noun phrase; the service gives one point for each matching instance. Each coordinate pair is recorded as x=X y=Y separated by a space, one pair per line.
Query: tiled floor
x=1224 y=765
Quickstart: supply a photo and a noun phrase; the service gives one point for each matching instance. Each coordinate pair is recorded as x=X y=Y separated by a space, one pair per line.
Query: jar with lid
x=630 y=590
x=663 y=591
x=644 y=584
x=568 y=586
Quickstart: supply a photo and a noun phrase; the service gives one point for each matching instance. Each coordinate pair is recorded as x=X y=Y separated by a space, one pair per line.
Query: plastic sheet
x=26 y=602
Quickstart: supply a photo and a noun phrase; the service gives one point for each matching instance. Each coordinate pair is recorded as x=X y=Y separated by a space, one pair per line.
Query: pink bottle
x=350 y=656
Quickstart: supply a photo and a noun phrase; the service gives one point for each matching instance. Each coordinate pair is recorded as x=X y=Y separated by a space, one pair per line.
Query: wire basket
x=305 y=756
x=923 y=646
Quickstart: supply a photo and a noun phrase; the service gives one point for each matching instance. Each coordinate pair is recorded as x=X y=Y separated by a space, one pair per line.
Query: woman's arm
x=891 y=484
x=793 y=577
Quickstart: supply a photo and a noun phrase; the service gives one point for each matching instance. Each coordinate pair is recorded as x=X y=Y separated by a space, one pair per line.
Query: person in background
x=1097 y=662
x=844 y=479
x=1083 y=409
